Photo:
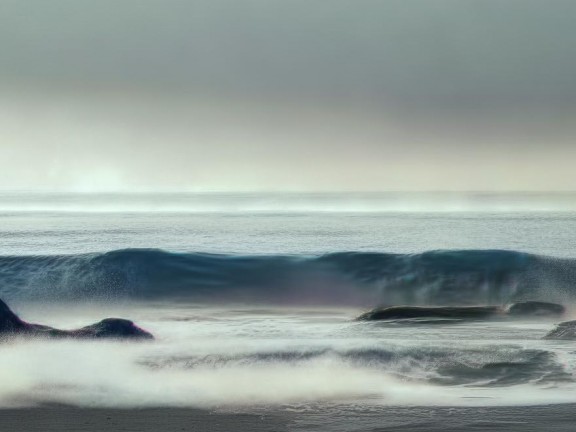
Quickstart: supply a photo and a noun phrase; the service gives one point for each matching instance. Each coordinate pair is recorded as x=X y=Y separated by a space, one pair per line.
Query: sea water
x=252 y=298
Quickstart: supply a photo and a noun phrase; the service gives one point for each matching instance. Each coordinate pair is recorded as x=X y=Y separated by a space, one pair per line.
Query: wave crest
x=344 y=278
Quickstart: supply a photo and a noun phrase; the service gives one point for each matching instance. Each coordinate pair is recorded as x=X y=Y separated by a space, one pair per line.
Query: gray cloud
x=396 y=94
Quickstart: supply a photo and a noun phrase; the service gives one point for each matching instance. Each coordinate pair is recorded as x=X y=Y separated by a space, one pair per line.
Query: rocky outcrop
x=110 y=328
x=528 y=309
x=9 y=321
x=563 y=331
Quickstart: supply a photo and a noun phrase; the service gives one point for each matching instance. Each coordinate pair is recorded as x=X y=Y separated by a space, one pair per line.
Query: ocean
x=252 y=298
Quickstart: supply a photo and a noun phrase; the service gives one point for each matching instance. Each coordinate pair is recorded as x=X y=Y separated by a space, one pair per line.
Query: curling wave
x=345 y=278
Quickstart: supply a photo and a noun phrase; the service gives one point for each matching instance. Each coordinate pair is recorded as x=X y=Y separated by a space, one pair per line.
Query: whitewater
x=252 y=299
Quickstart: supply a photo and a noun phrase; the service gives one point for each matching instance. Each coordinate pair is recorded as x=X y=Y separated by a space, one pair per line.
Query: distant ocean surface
x=252 y=298
x=267 y=223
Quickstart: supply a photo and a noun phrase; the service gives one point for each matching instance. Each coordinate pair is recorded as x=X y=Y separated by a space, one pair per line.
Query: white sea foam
x=229 y=357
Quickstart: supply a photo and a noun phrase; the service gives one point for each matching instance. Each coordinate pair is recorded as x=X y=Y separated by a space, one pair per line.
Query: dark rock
x=447 y=313
x=535 y=309
x=525 y=309
x=563 y=331
x=9 y=321
x=117 y=328
x=110 y=328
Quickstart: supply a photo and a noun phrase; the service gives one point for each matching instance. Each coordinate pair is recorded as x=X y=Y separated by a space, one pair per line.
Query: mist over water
x=236 y=357
x=285 y=202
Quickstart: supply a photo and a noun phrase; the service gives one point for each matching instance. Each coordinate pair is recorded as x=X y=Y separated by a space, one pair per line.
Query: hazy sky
x=288 y=94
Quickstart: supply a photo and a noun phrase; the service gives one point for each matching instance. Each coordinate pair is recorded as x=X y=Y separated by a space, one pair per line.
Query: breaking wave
x=344 y=278
x=479 y=366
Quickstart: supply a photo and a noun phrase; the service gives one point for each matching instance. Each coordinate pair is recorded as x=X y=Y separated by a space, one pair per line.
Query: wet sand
x=66 y=419
x=548 y=418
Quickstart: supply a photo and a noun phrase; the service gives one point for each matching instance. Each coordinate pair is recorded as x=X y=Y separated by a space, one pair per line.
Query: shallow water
x=234 y=356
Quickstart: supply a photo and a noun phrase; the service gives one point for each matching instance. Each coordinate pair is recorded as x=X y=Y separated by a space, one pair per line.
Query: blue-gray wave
x=342 y=278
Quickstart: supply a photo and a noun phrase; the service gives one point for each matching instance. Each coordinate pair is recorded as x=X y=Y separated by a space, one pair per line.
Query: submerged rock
x=419 y=312
x=535 y=308
x=458 y=313
x=563 y=331
x=110 y=328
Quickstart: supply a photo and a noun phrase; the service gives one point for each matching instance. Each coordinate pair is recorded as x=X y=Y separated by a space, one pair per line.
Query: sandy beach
x=549 y=418
x=64 y=419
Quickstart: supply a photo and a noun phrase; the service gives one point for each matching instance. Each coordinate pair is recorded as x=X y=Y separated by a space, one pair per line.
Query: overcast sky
x=288 y=94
